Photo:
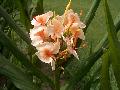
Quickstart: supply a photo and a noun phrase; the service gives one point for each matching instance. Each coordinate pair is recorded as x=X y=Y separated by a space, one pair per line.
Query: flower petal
x=35 y=23
x=81 y=35
x=42 y=58
x=56 y=47
x=72 y=51
x=53 y=65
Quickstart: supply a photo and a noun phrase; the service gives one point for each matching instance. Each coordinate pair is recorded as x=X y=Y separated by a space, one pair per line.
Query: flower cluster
x=54 y=35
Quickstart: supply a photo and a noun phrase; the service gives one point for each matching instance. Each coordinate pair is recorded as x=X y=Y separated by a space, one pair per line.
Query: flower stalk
x=57 y=77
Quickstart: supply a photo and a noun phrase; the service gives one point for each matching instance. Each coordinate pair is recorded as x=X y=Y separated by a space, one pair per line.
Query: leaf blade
x=13 y=25
x=114 y=43
x=16 y=75
x=91 y=13
x=105 y=79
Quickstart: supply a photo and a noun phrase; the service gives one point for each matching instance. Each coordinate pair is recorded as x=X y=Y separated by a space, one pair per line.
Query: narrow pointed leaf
x=91 y=13
x=105 y=79
x=24 y=17
x=15 y=27
x=20 y=79
x=114 y=43
x=94 y=78
x=117 y=22
x=84 y=69
x=37 y=8
x=90 y=16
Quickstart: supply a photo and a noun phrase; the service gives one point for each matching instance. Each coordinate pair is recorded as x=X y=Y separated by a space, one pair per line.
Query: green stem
x=57 y=77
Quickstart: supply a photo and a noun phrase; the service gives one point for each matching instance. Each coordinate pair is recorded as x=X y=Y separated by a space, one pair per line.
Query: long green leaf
x=84 y=70
x=12 y=47
x=117 y=22
x=15 y=27
x=37 y=7
x=105 y=79
x=94 y=79
x=114 y=43
x=91 y=13
x=25 y=19
x=16 y=75
x=23 y=59
x=90 y=16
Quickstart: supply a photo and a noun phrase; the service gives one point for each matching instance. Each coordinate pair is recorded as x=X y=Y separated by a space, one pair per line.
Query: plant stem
x=57 y=77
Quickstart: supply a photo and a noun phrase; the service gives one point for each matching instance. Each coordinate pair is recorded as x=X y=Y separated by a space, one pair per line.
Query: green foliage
x=23 y=14
x=37 y=7
x=15 y=27
x=114 y=43
x=91 y=13
x=32 y=8
x=17 y=76
x=105 y=80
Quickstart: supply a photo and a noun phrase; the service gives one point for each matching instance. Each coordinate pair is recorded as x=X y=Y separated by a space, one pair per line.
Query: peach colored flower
x=71 y=17
x=49 y=32
x=41 y=19
x=46 y=52
x=38 y=34
x=69 y=41
x=60 y=18
x=55 y=29
x=53 y=65
x=76 y=31
x=73 y=52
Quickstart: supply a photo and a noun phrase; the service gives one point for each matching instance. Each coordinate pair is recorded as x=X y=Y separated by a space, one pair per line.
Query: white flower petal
x=41 y=46
x=56 y=47
x=75 y=54
x=41 y=57
x=50 y=13
x=35 y=23
x=72 y=51
x=82 y=25
x=36 y=41
x=53 y=65
x=82 y=36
